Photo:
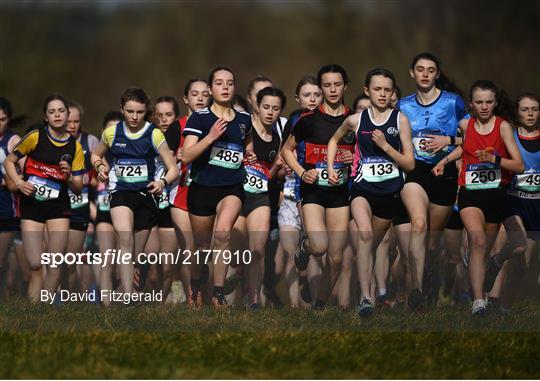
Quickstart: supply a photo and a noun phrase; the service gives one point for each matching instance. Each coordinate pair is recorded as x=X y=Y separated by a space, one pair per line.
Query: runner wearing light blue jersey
x=434 y=114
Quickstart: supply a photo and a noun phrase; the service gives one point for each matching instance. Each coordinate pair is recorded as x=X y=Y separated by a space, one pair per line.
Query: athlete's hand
x=346 y=157
x=484 y=155
x=378 y=138
x=436 y=143
x=310 y=176
x=438 y=169
x=102 y=174
x=333 y=177
x=156 y=187
x=65 y=168
x=179 y=154
x=219 y=127
x=287 y=169
x=26 y=188
x=251 y=157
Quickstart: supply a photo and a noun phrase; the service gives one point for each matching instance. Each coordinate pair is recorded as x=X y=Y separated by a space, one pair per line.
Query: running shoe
x=301 y=257
x=416 y=300
x=272 y=298
x=195 y=299
x=382 y=301
x=492 y=272
x=365 y=308
x=254 y=306
x=219 y=302
x=479 y=308
x=233 y=281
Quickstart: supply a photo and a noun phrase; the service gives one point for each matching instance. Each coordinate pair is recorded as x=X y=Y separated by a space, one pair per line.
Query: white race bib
x=226 y=155
x=163 y=199
x=378 y=169
x=288 y=187
x=131 y=170
x=528 y=182
x=78 y=200
x=256 y=181
x=342 y=171
x=103 y=201
x=482 y=176
x=45 y=188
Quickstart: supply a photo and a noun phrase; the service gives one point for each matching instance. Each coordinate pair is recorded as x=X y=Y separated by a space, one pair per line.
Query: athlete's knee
x=419 y=224
x=366 y=235
x=222 y=239
x=336 y=262
x=478 y=244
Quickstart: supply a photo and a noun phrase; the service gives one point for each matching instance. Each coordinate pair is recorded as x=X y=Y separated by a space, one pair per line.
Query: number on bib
x=78 y=200
x=103 y=201
x=45 y=189
x=482 y=176
x=163 y=199
x=378 y=169
x=226 y=155
x=256 y=181
x=131 y=170
x=529 y=182
x=341 y=170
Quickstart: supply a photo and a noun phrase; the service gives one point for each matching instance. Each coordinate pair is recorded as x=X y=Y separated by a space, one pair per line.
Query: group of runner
x=355 y=200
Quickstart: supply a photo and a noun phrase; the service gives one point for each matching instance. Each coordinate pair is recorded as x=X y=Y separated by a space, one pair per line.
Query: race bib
x=342 y=171
x=163 y=199
x=226 y=155
x=419 y=141
x=78 y=200
x=45 y=189
x=377 y=169
x=528 y=182
x=288 y=187
x=103 y=201
x=131 y=170
x=256 y=180
x=482 y=176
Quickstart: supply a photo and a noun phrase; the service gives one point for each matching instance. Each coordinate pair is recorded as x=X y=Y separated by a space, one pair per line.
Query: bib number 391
x=226 y=155
x=482 y=176
x=45 y=189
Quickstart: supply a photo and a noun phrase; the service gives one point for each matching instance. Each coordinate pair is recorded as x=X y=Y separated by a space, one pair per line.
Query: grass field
x=166 y=341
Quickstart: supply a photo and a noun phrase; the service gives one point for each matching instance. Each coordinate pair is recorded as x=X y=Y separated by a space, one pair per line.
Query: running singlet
x=8 y=208
x=43 y=155
x=134 y=155
x=527 y=184
x=374 y=172
x=258 y=174
x=175 y=140
x=315 y=129
x=222 y=163
x=441 y=117
x=477 y=175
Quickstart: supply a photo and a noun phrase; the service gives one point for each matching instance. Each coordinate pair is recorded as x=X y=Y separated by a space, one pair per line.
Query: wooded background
x=92 y=51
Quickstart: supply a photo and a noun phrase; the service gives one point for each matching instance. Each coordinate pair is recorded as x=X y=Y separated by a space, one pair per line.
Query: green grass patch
x=162 y=341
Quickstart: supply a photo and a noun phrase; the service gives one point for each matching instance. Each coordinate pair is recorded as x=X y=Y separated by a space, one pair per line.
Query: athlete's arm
x=438 y=169
x=515 y=164
x=194 y=146
x=348 y=124
x=287 y=152
x=101 y=167
x=11 y=171
x=170 y=164
x=406 y=159
x=75 y=182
